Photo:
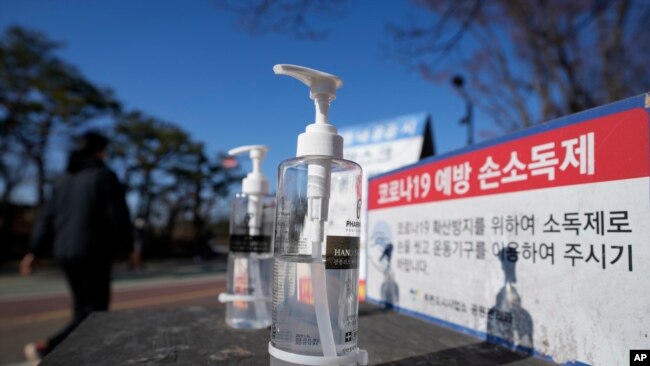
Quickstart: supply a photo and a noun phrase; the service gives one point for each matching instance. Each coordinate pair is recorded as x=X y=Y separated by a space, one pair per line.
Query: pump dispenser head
x=320 y=137
x=255 y=182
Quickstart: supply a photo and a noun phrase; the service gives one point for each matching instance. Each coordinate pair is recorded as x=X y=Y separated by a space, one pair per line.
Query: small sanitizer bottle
x=316 y=242
x=250 y=260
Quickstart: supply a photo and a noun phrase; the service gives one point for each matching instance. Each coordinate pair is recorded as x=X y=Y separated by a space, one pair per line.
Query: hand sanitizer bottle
x=316 y=242
x=250 y=259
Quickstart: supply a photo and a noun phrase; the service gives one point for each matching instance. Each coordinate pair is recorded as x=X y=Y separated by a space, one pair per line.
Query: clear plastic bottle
x=299 y=285
x=250 y=265
x=250 y=260
x=316 y=241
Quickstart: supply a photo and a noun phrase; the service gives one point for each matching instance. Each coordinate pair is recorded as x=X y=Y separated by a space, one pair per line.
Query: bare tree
x=143 y=149
x=295 y=17
x=13 y=168
x=171 y=174
x=526 y=61
x=529 y=61
x=199 y=182
x=40 y=93
x=13 y=163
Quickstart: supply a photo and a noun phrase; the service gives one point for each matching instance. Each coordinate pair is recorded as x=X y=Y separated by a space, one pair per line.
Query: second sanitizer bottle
x=250 y=260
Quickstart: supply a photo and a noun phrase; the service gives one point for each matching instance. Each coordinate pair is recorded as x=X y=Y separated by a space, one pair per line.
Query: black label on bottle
x=342 y=252
x=250 y=243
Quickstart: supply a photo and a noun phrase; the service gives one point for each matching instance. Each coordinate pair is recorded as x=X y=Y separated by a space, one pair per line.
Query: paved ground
x=33 y=307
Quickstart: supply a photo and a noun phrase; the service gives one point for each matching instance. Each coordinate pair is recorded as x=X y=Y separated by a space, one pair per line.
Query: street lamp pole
x=458 y=82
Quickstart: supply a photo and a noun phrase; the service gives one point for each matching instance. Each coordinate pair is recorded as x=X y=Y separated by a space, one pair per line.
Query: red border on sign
x=612 y=147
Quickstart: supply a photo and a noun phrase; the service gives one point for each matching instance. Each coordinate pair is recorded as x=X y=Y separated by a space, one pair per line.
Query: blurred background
x=175 y=85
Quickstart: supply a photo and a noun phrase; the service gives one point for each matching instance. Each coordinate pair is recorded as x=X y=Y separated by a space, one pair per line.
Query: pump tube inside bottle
x=318 y=183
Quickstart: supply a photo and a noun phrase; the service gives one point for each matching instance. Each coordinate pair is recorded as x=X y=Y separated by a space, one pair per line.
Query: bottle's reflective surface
x=250 y=263
x=303 y=280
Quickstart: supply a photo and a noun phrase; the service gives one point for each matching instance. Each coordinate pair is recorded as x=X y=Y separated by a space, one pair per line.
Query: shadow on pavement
x=479 y=354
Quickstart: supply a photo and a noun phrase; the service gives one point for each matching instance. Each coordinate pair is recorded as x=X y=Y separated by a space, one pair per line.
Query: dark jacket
x=86 y=217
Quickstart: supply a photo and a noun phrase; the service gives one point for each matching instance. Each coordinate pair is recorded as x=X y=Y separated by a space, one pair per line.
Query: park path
x=42 y=306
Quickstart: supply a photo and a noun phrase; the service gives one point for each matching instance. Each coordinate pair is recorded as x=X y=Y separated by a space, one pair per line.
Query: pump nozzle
x=319 y=138
x=319 y=83
x=255 y=182
x=254 y=185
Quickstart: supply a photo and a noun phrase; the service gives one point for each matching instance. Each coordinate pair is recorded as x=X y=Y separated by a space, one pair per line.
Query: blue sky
x=186 y=63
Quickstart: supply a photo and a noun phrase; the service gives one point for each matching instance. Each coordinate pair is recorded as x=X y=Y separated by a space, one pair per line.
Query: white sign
x=538 y=242
x=382 y=146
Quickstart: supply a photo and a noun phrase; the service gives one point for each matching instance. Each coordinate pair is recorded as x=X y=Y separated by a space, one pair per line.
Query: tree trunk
x=145 y=196
x=39 y=156
x=8 y=212
x=196 y=210
x=7 y=233
x=41 y=180
x=9 y=187
x=171 y=220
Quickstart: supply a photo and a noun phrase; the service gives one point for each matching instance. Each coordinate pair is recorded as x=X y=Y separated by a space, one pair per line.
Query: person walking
x=85 y=223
